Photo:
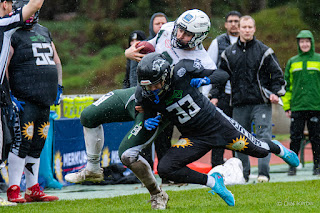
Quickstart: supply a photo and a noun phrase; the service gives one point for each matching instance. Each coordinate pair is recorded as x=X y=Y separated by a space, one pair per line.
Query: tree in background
x=310 y=11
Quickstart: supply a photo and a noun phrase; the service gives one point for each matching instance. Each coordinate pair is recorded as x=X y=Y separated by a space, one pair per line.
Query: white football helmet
x=194 y=21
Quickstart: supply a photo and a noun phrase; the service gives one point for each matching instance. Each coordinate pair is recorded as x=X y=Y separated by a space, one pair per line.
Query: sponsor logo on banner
x=105 y=160
x=58 y=166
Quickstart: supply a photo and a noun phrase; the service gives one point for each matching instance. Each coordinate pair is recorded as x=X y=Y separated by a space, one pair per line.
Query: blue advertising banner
x=69 y=152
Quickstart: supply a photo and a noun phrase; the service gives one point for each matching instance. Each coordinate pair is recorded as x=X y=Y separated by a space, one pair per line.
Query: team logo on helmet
x=157 y=64
x=188 y=17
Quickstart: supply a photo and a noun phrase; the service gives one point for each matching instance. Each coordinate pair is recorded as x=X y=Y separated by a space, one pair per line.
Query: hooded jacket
x=302 y=74
x=152 y=34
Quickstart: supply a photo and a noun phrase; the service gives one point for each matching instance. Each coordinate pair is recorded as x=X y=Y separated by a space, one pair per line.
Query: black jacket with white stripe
x=253 y=67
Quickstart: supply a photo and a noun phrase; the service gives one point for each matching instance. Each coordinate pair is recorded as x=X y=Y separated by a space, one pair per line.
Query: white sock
x=15 y=169
x=31 y=171
x=211 y=181
x=94 y=139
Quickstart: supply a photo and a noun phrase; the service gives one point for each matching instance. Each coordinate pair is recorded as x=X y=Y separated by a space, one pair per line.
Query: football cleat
x=14 y=194
x=3 y=202
x=221 y=189
x=159 y=201
x=36 y=194
x=289 y=156
x=85 y=175
x=262 y=179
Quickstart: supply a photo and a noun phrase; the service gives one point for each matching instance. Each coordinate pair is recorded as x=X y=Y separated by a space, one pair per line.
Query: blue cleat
x=221 y=189
x=289 y=156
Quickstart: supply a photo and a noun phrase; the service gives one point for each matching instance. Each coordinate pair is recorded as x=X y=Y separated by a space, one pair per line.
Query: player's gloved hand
x=152 y=123
x=17 y=104
x=198 y=82
x=59 y=95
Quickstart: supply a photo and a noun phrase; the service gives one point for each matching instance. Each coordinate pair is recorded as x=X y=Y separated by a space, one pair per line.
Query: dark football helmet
x=153 y=69
x=28 y=24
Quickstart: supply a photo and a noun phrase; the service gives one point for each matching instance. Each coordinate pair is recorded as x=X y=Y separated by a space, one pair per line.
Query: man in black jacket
x=256 y=82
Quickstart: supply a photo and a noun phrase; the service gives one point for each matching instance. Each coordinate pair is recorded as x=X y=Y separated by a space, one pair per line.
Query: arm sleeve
x=276 y=74
x=219 y=77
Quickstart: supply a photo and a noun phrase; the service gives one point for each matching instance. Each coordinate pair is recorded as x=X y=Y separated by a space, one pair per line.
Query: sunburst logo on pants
x=43 y=130
x=27 y=131
x=183 y=142
x=239 y=144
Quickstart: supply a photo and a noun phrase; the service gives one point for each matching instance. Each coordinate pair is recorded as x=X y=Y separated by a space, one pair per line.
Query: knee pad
x=129 y=157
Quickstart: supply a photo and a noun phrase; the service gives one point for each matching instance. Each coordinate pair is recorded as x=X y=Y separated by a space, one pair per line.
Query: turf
x=302 y=196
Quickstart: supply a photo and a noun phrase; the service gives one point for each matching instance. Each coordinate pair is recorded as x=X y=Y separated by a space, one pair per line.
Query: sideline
x=74 y=192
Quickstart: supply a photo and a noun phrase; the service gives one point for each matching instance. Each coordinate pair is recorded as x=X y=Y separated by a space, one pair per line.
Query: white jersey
x=162 y=44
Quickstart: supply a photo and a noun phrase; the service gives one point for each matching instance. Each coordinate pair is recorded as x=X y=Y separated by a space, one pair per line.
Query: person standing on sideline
x=302 y=99
x=220 y=96
x=35 y=78
x=9 y=23
x=256 y=82
x=156 y=22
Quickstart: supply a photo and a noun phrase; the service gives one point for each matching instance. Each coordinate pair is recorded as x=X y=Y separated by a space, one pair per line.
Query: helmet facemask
x=152 y=70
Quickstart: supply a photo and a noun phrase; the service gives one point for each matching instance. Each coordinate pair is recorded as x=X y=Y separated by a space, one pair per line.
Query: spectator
x=8 y=25
x=218 y=97
x=131 y=75
x=256 y=82
x=156 y=22
x=302 y=99
x=35 y=77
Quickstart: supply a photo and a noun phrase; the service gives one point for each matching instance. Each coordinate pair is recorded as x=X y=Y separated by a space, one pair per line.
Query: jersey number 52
x=43 y=58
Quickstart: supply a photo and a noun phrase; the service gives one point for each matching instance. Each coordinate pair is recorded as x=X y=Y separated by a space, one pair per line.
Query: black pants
x=30 y=130
x=298 y=121
x=173 y=165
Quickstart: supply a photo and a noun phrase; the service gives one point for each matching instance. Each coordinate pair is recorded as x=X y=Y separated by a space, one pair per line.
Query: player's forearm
x=30 y=9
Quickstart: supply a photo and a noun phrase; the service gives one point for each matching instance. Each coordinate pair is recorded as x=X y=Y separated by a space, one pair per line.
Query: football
x=148 y=48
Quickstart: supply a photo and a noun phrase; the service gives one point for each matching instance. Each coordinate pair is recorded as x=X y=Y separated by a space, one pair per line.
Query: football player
x=33 y=77
x=172 y=92
x=177 y=40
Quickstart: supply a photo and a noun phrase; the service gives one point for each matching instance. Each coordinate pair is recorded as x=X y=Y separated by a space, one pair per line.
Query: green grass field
x=300 y=196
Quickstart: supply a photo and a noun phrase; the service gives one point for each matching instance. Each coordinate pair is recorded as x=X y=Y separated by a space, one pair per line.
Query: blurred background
x=91 y=35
